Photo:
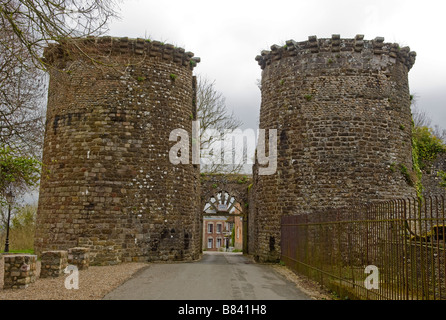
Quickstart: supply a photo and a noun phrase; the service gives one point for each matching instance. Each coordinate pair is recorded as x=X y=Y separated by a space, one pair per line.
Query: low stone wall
x=80 y=257
x=53 y=263
x=20 y=270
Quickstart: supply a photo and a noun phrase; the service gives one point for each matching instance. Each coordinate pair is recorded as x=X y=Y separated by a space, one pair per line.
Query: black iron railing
x=393 y=250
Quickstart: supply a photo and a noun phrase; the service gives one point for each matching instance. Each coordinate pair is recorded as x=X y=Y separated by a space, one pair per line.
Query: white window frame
x=211 y=242
x=210 y=227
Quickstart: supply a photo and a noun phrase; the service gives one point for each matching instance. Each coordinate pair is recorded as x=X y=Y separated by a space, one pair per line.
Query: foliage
x=17 y=173
x=422 y=119
x=405 y=172
x=392 y=166
x=242 y=180
x=24 y=218
x=416 y=167
x=441 y=174
x=427 y=146
x=22 y=227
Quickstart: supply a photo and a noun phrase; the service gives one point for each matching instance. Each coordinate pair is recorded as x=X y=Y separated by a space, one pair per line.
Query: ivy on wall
x=426 y=147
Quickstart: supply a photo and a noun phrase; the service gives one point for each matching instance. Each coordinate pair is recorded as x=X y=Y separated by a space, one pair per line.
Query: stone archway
x=227 y=195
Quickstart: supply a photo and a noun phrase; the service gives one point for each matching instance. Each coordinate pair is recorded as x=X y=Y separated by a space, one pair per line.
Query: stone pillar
x=80 y=257
x=53 y=263
x=341 y=108
x=19 y=270
x=111 y=183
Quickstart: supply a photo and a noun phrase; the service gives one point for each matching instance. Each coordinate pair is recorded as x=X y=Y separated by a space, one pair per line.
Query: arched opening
x=223 y=223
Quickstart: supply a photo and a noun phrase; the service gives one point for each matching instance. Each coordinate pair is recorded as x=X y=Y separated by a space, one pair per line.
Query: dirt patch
x=307 y=286
x=94 y=284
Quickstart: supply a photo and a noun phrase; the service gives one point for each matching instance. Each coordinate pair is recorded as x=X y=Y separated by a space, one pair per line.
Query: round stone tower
x=341 y=108
x=108 y=183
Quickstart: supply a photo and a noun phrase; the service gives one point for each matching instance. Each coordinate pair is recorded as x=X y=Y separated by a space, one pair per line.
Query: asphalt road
x=217 y=276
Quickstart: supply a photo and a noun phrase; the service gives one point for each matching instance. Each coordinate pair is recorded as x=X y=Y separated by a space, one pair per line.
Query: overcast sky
x=227 y=35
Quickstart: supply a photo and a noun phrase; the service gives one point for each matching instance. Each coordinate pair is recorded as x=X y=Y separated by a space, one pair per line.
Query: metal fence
x=392 y=250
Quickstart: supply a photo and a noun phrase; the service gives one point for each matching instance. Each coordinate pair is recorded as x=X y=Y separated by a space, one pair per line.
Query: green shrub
x=426 y=146
x=442 y=175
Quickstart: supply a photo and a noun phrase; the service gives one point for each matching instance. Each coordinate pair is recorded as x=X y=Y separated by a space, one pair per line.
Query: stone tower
x=341 y=108
x=108 y=183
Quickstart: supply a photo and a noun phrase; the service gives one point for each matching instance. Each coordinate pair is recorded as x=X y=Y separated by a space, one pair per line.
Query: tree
x=26 y=28
x=33 y=24
x=213 y=114
x=439 y=133
x=22 y=95
x=422 y=119
x=427 y=146
x=17 y=173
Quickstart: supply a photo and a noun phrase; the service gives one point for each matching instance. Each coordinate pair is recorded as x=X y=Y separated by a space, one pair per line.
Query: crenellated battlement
x=112 y=46
x=111 y=187
x=341 y=108
x=340 y=48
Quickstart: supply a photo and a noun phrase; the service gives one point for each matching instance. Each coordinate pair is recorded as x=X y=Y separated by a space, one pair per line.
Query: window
x=210 y=227
x=218 y=242
x=219 y=227
x=210 y=243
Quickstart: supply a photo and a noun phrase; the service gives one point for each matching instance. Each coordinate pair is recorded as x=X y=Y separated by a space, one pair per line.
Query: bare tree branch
x=26 y=28
x=213 y=114
x=422 y=119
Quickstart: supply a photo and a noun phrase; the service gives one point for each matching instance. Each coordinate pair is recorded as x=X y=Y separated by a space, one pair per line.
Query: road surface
x=217 y=276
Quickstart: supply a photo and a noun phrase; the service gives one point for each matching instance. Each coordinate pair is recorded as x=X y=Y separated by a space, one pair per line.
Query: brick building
x=217 y=232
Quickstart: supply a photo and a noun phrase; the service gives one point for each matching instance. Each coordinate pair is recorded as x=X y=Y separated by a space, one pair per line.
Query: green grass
x=29 y=251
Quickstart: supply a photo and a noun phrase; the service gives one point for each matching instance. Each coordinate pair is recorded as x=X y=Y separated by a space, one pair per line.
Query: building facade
x=217 y=233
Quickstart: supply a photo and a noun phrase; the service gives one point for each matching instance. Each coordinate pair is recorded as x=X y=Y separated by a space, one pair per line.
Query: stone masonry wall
x=107 y=183
x=342 y=111
x=430 y=179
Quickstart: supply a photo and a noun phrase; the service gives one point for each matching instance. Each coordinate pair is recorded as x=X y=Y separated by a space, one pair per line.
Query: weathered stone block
x=19 y=270
x=79 y=257
x=53 y=263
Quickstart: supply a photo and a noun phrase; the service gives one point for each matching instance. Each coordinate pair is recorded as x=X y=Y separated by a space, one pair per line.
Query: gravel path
x=94 y=284
x=217 y=276
x=97 y=281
